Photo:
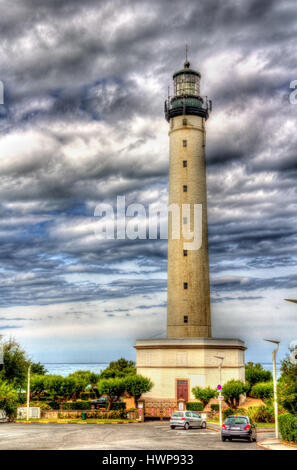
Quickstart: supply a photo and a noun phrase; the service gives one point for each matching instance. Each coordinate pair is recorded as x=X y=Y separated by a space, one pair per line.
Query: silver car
x=187 y=419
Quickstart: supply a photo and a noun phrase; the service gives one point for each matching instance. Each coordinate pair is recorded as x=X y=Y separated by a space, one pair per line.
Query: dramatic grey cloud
x=83 y=123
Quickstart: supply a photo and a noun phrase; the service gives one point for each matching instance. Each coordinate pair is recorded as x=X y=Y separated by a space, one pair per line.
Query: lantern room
x=186 y=81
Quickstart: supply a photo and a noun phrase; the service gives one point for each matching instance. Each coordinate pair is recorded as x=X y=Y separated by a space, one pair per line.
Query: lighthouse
x=188 y=356
x=188 y=305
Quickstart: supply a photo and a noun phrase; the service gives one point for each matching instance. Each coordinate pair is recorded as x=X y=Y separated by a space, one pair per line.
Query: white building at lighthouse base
x=176 y=365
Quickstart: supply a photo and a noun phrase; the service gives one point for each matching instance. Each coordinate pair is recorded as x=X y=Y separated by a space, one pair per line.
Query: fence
x=3 y=416
x=34 y=412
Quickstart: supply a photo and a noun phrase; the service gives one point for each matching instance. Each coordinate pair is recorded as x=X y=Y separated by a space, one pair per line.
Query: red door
x=182 y=390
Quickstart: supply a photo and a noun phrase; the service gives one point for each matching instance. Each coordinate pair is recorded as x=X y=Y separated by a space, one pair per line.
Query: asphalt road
x=146 y=436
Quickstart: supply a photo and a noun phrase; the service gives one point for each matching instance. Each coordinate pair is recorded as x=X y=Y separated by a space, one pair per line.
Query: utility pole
x=28 y=391
x=220 y=392
x=274 y=352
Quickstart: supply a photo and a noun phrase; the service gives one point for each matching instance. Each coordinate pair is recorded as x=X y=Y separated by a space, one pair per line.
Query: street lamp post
x=220 y=392
x=28 y=391
x=274 y=352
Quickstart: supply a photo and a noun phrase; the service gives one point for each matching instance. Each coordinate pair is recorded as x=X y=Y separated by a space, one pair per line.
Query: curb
x=72 y=422
x=289 y=447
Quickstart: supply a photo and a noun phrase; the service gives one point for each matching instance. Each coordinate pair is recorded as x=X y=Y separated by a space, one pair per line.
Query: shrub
x=261 y=414
x=136 y=385
x=194 y=406
x=255 y=373
x=215 y=406
x=41 y=404
x=230 y=411
x=287 y=387
x=121 y=406
x=262 y=390
x=288 y=427
x=54 y=405
x=8 y=399
x=232 y=391
x=112 y=388
x=114 y=414
x=204 y=394
x=87 y=395
x=77 y=405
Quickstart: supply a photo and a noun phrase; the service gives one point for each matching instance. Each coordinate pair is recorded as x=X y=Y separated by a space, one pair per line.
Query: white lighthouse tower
x=188 y=310
x=188 y=356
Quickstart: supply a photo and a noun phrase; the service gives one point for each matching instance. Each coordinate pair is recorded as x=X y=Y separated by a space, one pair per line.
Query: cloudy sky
x=82 y=123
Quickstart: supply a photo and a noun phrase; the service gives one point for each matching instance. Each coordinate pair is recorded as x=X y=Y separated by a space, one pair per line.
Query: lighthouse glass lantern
x=186 y=98
x=186 y=82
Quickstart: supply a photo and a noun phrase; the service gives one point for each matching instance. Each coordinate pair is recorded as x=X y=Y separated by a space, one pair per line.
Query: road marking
x=187 y=433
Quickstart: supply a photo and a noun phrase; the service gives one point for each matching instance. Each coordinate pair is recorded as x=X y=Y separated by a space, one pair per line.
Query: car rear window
x=177 y=414
x=239 y=420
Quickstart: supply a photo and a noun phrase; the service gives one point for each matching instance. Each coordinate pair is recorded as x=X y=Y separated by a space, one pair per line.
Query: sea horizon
x=66 y=368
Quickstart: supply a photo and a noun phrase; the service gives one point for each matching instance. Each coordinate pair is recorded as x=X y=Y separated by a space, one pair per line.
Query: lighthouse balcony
x=187 y=104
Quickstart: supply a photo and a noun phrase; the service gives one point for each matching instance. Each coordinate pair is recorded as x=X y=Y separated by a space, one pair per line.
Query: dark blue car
x=239 y=427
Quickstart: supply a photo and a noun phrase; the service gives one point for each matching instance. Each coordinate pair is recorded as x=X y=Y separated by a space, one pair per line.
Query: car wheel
x=203 y=426
x=186 y=426
x=230 y=439
x=223 y=439
x=255 y=439
x=250 y=439
x=172 y=427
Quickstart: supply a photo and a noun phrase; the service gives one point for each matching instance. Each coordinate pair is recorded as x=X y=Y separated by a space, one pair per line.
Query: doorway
x=182 y=390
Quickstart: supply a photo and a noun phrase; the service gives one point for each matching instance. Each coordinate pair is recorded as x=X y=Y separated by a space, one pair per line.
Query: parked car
x=99 y=402
x=187 y=419
x=239 y=427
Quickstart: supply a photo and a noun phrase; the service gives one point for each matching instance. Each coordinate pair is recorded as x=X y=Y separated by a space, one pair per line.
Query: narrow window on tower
x=185 y=163
x=185 y=252
x=185 y=122
x=185 y=318
x=185 y=220
x=185 y=285
x=185 y=188
x=184 y=143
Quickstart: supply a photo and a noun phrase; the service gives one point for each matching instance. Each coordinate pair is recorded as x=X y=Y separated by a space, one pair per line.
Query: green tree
x=15 y=364
x=204 y=394
x=84 y=379
x=37 y=385
x=54 y=386
x=38 y=369
x=8 y=399
x=287 y=385
x=136 y=385
x=232 y=390
x=120 y=368
x=254 y=373
x=113 y=389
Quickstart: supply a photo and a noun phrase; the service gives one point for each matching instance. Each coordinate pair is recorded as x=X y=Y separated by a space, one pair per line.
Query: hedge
x=215 y=406
x=262 y=390
x=87 y=405
x=288 y=427
x=194 y=406
x=230 y=411
x=88 y=395
x=261 y=414
x=96 y=414
x=76 y=405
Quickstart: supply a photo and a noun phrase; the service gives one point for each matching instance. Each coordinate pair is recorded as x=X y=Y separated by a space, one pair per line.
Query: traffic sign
x=219 y=387
x=221 y=397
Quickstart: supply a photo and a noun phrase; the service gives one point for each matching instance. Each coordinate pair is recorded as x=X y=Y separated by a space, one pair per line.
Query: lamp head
x=272 y=341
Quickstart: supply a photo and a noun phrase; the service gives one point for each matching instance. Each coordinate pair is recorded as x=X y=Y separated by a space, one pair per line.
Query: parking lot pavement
x=145 y=436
